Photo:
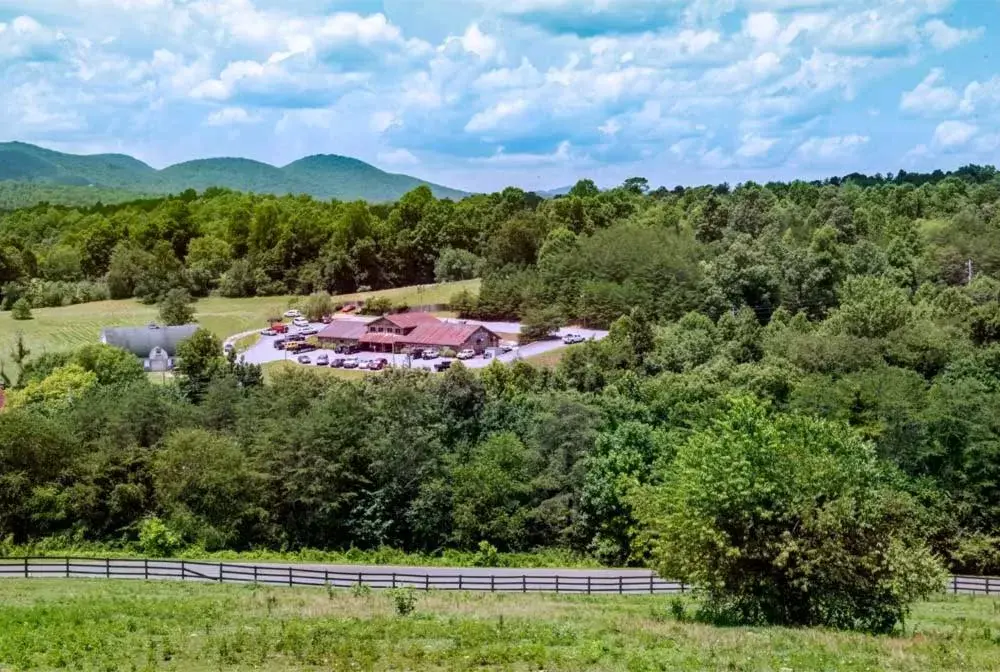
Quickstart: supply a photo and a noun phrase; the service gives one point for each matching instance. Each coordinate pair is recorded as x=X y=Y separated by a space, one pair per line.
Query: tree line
x=796 y=407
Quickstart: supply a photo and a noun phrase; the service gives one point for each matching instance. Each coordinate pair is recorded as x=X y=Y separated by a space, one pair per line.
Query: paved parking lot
x=264 y=352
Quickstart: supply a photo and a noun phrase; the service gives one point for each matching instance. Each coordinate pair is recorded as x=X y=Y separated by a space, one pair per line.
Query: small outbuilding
x=155 y=345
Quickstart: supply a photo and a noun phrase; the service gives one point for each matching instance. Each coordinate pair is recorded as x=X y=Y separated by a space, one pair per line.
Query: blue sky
x=479 y=94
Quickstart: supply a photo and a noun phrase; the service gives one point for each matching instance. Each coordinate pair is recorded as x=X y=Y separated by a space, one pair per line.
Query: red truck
x=279 y=327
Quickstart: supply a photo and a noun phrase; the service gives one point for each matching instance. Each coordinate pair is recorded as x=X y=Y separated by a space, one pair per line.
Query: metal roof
x=348 y=330
x=452 y=335
x=407 y=320
x=140 y=341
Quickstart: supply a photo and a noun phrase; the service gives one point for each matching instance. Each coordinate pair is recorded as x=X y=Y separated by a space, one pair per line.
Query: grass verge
x=381 y=556
x=122 y=625
x=549 y=360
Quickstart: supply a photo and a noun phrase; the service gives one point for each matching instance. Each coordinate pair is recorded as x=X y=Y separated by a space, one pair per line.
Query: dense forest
x=869 y=303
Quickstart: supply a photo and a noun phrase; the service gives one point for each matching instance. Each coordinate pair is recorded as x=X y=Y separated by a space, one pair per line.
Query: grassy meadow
x=59 y=329
x=132 y=625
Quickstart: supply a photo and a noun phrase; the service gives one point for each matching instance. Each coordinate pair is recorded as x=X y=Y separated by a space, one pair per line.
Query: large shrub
x=788 y=520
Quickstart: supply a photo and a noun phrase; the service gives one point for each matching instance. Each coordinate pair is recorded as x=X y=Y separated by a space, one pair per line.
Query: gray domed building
x=155 y=345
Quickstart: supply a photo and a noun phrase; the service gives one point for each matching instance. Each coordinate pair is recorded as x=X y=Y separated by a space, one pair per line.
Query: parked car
x=467 y=354
x=506 y=347
x=300 y=322
x=228 y=347
x=304 y=359
x=280 y=344
x=309 y=331
x=443 y=365
x=430 y=354
x=351 y=363
x=349 y=308
x=487 y=354
x=300 y=346
x=570 y=339
x=327 y=319
x=323 y=360
x=292 y=313
x=347 y=349
x=378 y=364
x=295 y=337
x=268 y=332
x=337 y=362
x=279 y=327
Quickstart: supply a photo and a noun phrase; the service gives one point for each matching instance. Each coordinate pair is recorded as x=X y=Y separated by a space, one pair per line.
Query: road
x=621 y=581
x=264 y=352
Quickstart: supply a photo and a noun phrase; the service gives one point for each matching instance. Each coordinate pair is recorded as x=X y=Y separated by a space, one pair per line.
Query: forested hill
x=321 y=176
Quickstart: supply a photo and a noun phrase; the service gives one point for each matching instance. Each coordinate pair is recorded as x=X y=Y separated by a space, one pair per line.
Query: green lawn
x=131 y=625
x=271 y=368
x=548 y=359
x=57 y=329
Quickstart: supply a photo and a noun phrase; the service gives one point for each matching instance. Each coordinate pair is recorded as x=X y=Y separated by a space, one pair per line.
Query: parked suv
x=431 y=354
x=443 y=365
x=467 y=354
x=347 y=349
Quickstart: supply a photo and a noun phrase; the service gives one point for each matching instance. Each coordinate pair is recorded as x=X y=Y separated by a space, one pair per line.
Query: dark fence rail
x=292 y=575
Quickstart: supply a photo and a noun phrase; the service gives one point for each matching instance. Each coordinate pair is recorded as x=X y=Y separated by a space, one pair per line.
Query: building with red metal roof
x=409 y=330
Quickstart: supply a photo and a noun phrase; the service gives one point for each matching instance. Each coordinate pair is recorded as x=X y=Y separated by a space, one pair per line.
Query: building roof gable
x=409 y=320
x=344 y=329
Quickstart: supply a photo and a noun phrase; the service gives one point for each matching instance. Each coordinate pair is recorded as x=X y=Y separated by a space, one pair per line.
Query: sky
x=482 y=94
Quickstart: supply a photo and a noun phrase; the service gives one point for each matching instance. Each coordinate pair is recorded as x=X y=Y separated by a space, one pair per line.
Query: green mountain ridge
x=324 y=176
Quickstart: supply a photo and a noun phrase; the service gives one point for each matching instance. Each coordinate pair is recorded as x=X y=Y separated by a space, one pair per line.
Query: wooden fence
x=606 y=582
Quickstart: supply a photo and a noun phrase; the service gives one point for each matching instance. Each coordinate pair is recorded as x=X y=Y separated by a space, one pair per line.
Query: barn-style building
x=394 y=333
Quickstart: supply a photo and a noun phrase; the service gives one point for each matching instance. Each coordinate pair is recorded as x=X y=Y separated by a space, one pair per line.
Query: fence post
x=492 y=585
x=524 y=583
x=326 y=578
x=145 y=568
x=682 y=587
x=361 y=578
x=588 y=584
x=427 y=582
x=394 y=579
x=650 y=584
x=107 y=568
x=25 y=567
x=460 y=581
x=222 y=571
x=987 y=585
x=67 y=567
x=621 y=588
x=557 y=584
x=290 y=582
x=954 y=585
x=183 y=571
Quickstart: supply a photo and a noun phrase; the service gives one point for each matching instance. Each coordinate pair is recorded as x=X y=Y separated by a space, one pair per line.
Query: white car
x=268 y=332
x=292 y=313
x=300 y=322
x=570 y=339
x=466 y=354
x=351 y=363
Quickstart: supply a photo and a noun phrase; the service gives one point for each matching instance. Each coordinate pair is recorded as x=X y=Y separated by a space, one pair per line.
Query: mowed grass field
x=132 y=625
x=59 y=329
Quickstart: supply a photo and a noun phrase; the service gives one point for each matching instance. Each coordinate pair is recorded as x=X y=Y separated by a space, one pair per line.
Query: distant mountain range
x=323 y=176
x=552 y=193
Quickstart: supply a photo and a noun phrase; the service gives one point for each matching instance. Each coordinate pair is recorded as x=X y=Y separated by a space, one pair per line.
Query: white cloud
x=762 y=26
x=928 y=98
x=489 y=119
x=398 y=157
x=525 y=75
x=562 y=154
x=943 y=37
x=230 y=116
x=832 y=148
x=951 y=134
x=980 y=96
x=755 y=146
x=476 y=42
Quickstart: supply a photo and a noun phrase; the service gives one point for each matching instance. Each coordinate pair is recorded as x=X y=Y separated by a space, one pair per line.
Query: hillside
x=322 y=176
